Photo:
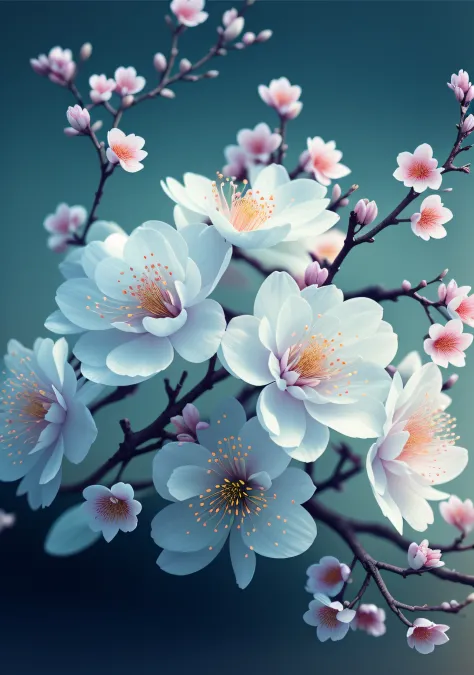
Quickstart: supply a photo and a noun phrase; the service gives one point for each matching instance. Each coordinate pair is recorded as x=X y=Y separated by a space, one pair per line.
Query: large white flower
x=273 y=210
x=416 y=450
x=323 y=360
x=144 y=297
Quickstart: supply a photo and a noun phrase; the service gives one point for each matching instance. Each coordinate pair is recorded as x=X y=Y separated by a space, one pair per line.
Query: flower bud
x=167 y=93
x=469 y=95
x=451 y=381
x=444 y=273
x=315 y=275
x=406 y=285
x=336 y=192
x=229 y=16
x=366 y=211
x=248 y=38
x=234 y=29
x=264 y=35
x=160 y=62
x=458 y=92
x=85 y=51
x=468 y=124
x=470 y=597
x=69 y=131
x=222 y=52
x=423 y=283
x=127 y=101
x=185 y=65
x=445 y=605
x=454 y=604
x=40 y=65
x=97 y=125
x=78 y=118
x=211 y=74
x=344 y=202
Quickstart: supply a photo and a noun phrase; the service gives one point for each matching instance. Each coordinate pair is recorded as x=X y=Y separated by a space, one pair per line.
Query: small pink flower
x=431 y=218
x=422 y=556
x=260 y=142
x=446 y=293
x=458 y=513
x=462 y=88
x=6 y=520
x=109 y=511
x=447 y=344
x=127 y=81
x=283 y=96
x=370 y=619
x=101 y=88
x=324 y=161
x=238 y=161
x=189 y=12
x=462 y=307
x=126 y=150
x=468 y=124
x=61 y=65
x=425 y=635
x=62 y=224
x=419 y=170
x=328 y=245
x=188 y=423
x=330 y=619
x=366 y=211
x=78 y=118
x=328 y=576
x=40 y=65
x=315 y=275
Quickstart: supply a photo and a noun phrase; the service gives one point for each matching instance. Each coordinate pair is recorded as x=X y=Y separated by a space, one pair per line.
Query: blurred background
x=374 y=79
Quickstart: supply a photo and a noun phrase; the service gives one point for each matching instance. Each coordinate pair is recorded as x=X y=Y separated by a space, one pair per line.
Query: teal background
x=373 y=77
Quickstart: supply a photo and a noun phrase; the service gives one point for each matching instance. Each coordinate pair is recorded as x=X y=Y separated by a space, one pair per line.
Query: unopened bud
x=336 y=192
x=234 y=29
x=451 y=381
x=423 y=283
x=185 y=65
x=160 y=62
x=406 y=285
x=344 y=202
x=248 y=38
x=315 y=275
x=446 y=605
x=468 y=124
x=454 y=604
x=470 y=597
x=167 y=93
x=222 y=52
x=127 y=101
x=97 y=125
x=447 y=190
x=264 y=35
x=211 y=74
x=365 y=211
x=443 y=273
x=85 y=51
x=69 y=131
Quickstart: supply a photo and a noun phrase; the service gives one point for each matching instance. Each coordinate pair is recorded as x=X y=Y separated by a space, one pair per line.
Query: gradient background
x=373 y=77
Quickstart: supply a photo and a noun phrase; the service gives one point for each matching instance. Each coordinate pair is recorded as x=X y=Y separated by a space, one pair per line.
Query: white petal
x=244 y=353
x=201 y=335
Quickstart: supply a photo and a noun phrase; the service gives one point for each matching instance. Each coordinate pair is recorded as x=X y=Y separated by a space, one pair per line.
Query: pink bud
x=229 y=16
x=212 y=74
x=167 y=93
x=366 y=211
x=248 y=38
x=85 y=51
x=127 y=101
x=468 y=124
x=69 y=131
x=451 y=381
x=444 y=273
x=406 y=285
x=185 y=65
x=264 y=35
x=315 y=275
x=234 y=29
x=458 y=92
x=40 y=65
x=344 y=202
x=160 y=62
x=97 y=125
x=423 y=283
x=78 y=118
x=336 y=192
x=372 y=213
x=469 y=94
x=445 y=605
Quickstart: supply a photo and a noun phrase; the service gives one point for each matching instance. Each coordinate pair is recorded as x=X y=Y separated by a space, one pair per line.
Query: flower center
x=123 y=152
x=328 y=617
x=465 y=310
x=428 y=428
x=322 y=162
x=245 y=209
x=447 y=343
x=419 y=171
x=313 y=360
x=429 y=218
x=422 y=633
x=332 y=575
x=111 y=508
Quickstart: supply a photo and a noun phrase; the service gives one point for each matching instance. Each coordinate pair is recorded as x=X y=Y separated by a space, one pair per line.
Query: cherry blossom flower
x=370 y=619
x=315 y=275
x=321 y=362
x=446 y=344
x=127 y=81
x=458 y=513
x=143 y=297
x=101 y=88
x=417 y=450
x=420 y=555
x=425 y=635
x=283 y=96
x=260 y=142
x=419 y=170
x=111 y=510
x=326 y=246
x=462 y=87
x=330 y=619
x=324 y=161
x=126 y=150
x=328 y=576
x=447 y=292
x=238 y=162
x=78 y=118
x=214 y=502
x=7 y=520
x=44 y=418
x=431 y=218
x=189 y=12
x=188 y=424
x=65 y=222
x=366 y=211
x=458 y=302
x=468 y=124
x=61 y=65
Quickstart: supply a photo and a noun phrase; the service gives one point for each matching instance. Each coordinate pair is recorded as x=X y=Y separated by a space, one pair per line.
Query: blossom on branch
x=101 y=88
x=420 y=555
x=462 y=87
x=458 y=302
x=328 y=576
x=322 y=360
x=111 y=510
x=315 y=275
x=370 y=619
x=188 y=424
x=431 y=218
x=425 y=635
x=62 y=224
x=125 y=150
x=458 y=513
x=238 y=162
x=259 y=143
x=446 y=344
x=419 y=170
x=127 y=81
x=282 y=96
x=233 y=485
x=58 y=65
x=78 y=118
x=366 y=211
x=417 y=450
x=325 y=161
x=189 y=12
x=330 y=619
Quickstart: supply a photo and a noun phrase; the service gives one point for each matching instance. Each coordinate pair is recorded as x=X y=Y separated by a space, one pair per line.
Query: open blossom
x=44 y=418
x=143 y=297
x=283 y=96
x=274 y=209
x=325 y=161
x=260 y=142
x=125 y=150
x=420 y=555
x=62 y=224
x=321 y=362
x=417 y=450
x=462 y=87
x=78 y=118
x=330 y=619
x=101 y=88
x=431 y=218
x=110 y=510
x=188 y=424
x=370 y=619
x=61 y=65
x=458 y=302
x=127 y=81
x=189 y=12
x=254 y=503
x=419 y=170
x=425 y=635
x=458 y=513
x=6 y=520
x=328 y=576
x=447 y=292
x=446 y=344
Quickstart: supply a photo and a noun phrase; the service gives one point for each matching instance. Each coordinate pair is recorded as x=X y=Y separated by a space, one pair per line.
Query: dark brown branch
x=118 y=395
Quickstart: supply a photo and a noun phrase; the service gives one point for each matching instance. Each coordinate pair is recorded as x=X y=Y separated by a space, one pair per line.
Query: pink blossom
x=330 y=619
x=189 y=12
x=237 y=162
x=127 y=81
x=366 y=211
x=61 y=65
x=248 y=38
x=447 y=344
x=78 y=118
x=431 y=218
x=462 y=307
x=315 y=275
x=264 y=35
x=370 y=619
x=86 y=51
x=6 y=520
x=420 y=555
x=283 y=96
x=324 y=161
x=328 y=245
x=328 y=576
x=62 y=224
x=260 y=142
x=425 y=635
x=126 y=150
x=229 y=16
x=111 y=510
x=40 y=65
x=458 y=513
x=462 y=87
x=468 y=124
x=234 y=29
x=101 y=88
x=188 y=423
x=160 y=62
x=419 y=170
x=446 y=293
